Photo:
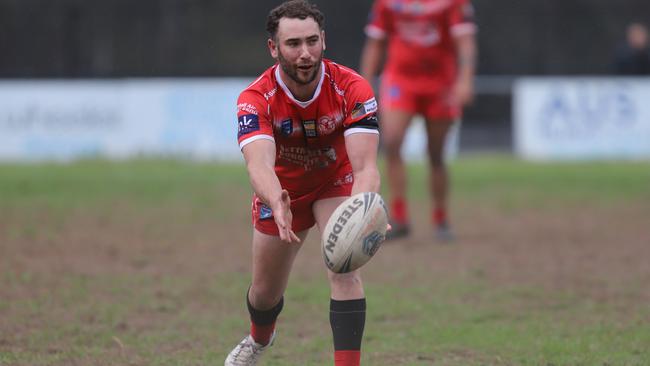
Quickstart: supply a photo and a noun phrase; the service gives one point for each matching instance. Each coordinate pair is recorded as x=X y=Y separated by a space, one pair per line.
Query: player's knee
x=345 y=281
x=436 y=158
x=436 y=161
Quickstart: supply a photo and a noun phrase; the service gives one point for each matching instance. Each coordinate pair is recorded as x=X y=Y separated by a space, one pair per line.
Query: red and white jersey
x=420 y=35
x=309 y=136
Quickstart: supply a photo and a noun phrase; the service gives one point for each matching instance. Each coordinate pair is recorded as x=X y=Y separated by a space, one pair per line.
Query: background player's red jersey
x=309 y=136
x=420 y=37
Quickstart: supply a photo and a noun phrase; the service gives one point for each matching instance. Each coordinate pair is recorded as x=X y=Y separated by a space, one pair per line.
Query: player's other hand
x=283 y=218
x=462 y=93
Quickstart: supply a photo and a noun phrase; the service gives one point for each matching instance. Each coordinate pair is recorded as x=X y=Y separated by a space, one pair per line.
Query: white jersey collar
x=290 y=95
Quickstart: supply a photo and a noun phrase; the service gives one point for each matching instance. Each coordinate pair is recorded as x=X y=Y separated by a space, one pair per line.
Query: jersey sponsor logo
x=361 y=109
x=310 y=128
x=286 y=127
x=337 y=89
x=306 y=157
x=246 y=107
x=420 y=33
x=265 y=212
x=248 y=123
x=270 y=93
x=329 y=152
x=347 y=179
x=370 y=105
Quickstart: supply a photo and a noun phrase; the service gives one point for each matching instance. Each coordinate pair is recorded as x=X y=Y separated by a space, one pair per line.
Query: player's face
x=299 y=48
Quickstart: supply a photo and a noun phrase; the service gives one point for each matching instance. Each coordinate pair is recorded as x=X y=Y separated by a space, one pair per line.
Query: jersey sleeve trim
x=463 y=29
x=375 y=32
x=354 y=130
x=247 y=141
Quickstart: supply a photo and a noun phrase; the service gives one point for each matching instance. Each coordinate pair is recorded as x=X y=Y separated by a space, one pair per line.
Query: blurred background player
x=633 y=58
x=309 y=134
x=429 y=70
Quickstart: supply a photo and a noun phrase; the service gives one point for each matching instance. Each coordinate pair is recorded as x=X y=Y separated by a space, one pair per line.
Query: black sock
x=263 y=321
x=347 y=318
x=264 y=317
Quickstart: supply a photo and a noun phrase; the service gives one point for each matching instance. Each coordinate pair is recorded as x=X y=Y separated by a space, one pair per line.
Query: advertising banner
x=62 y=120
x=582 y=118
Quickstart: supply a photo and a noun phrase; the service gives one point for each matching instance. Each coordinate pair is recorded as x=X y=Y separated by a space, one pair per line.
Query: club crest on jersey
x=265 y=212
x=286 y=127
x=310 y=128
x=326 y=125
x=248 y=123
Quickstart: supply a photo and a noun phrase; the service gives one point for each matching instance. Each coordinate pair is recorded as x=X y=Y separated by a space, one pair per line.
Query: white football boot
x=247 y=352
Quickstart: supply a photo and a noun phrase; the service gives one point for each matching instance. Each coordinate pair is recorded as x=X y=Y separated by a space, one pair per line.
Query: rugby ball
x=354 y=232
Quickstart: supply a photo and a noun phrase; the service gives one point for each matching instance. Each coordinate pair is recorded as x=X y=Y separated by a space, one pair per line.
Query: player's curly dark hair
x=293 y=9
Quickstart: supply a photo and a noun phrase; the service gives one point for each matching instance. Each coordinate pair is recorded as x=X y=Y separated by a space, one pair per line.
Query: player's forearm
x=260 y=163
x=366 y=180
x=265 y=182
x=466 y=57
x=362 y=152
x=371 y=58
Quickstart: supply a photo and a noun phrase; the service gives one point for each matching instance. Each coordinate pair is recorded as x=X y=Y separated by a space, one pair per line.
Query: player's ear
x=322 y=36
x=273 y=49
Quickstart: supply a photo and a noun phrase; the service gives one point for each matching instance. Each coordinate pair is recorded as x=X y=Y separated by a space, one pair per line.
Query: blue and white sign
x=63 y=120
x=582 y=118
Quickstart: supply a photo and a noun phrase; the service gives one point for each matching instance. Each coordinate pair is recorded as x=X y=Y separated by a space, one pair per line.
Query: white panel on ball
x=354 y=232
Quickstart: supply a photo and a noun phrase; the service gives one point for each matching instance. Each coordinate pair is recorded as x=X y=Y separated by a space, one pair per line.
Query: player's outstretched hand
x=283 y=218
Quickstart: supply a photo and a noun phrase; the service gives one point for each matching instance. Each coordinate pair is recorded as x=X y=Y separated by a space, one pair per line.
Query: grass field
x=147 y=263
